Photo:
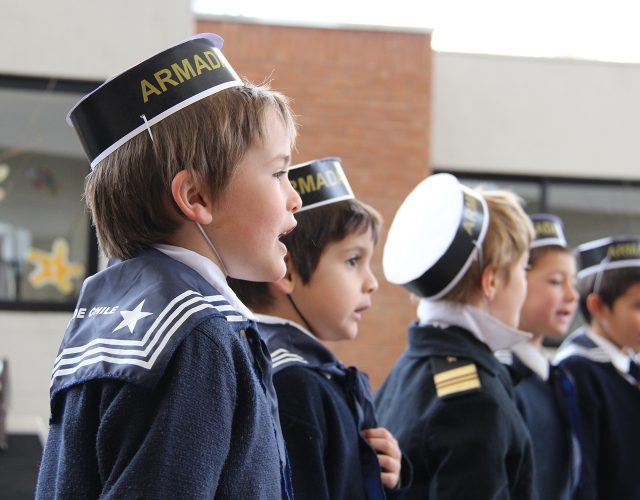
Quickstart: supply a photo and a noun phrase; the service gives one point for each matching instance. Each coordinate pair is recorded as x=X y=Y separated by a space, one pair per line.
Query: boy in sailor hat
x=336 y=448
x=602 y=359
x=448 y=400
x=162 y=387
x=545 y=393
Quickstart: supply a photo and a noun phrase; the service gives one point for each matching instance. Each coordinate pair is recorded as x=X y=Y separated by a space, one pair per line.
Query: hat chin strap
x=297 y=309
x=597 y=282
x=213 y=248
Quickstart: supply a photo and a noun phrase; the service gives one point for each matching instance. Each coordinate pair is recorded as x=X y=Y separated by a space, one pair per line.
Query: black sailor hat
x=435 y=236
x=614 y=252
x=548 y=231
x=320 y=182
x=131 y=102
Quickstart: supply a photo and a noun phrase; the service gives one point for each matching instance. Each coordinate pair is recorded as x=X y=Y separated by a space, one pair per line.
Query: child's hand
x=389 y=454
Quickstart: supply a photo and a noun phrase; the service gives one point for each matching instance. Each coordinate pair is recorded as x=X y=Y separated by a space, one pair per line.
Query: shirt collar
x=277 y=320
x=532 y=358
x=209 y=271
x=489 y=330
x=618 y=358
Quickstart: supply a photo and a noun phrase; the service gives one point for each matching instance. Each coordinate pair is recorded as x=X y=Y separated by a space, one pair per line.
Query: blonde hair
x=129 y=192
x=508 y=237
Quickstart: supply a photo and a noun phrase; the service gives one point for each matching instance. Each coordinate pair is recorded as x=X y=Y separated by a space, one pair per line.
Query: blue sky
x=581 y=29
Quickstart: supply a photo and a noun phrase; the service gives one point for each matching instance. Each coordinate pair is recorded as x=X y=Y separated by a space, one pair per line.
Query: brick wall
x=362 y=95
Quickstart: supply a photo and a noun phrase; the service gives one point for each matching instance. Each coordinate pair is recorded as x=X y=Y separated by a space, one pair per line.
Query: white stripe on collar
x=489 y=330
x=604 y=352
x=209 y=271
x=277 y=320
x=618 y=358
x=533 y=358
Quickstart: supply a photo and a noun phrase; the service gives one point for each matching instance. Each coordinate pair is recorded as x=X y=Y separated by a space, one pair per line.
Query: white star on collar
x=130 y=318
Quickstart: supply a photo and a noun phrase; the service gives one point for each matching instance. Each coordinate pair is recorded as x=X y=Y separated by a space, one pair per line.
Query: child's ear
x=194 y=204
x=489 y=282
x=597 y=308
x=287 y=283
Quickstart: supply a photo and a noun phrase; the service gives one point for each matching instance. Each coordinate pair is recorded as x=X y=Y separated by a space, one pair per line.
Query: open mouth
x=282 y=235
x=564 y=316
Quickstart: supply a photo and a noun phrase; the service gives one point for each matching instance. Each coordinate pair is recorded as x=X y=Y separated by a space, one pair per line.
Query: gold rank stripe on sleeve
x=460 y=379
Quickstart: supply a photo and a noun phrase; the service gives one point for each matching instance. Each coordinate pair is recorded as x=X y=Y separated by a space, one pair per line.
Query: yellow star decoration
x=54 y=268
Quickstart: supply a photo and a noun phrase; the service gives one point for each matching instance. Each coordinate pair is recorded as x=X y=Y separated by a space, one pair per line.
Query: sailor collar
x=293 y=343
x=209 y=271
x=128 y=330
x=619 y=359
x=588 y=344
x=487 y=329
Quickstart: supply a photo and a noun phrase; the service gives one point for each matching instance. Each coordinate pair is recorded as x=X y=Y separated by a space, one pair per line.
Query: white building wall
x=84 y=40
x=535 y=116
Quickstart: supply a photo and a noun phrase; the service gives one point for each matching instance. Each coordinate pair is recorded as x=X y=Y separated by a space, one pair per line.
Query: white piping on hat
x=607 y=265
x=547 y=242
x=162 y=116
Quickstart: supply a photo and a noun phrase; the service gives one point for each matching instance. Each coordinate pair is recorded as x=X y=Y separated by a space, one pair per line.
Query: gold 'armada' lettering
x=178 y=73
x=469 y=213
x=316 y=182
x=200 y=64
x=214 y=62
x=164 y=76
x=304 y=184
x=545 y=228
x=184 y=72
x=623 y=250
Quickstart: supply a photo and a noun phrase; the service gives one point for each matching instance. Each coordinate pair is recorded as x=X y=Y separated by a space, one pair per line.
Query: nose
x=294 y=202
x=370 y=283
x=571 y=294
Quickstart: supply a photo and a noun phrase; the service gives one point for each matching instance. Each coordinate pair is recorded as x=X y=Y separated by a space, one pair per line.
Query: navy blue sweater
x=609 y=417
x=548 y=408
x=451 y=406
x=323 y=406
x=178 y=407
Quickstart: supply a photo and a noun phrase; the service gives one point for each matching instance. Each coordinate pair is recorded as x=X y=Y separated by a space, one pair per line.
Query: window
x=47 y=245
x=590 y=208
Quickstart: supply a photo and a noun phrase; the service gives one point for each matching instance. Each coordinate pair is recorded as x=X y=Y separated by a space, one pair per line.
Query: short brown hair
x=508 y=237
x=129 y=192
x=611 y=285
x=317 y=228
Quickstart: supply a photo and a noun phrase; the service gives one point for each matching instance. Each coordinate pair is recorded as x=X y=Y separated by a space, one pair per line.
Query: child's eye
x=280 y=174
x=353 y=261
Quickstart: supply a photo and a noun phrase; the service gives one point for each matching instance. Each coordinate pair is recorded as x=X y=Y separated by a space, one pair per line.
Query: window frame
x=53 y=85
x=544 y=181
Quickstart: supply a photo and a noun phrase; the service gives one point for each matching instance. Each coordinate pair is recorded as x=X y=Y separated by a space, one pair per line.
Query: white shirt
x=532 y=357
x=209 y=271
x=489 y=330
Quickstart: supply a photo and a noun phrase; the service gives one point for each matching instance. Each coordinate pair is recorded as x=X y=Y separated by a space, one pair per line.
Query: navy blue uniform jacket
x=609 y=420
x=469 y=442
x=548 y=408
x=321 y=417
x=160 y=390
